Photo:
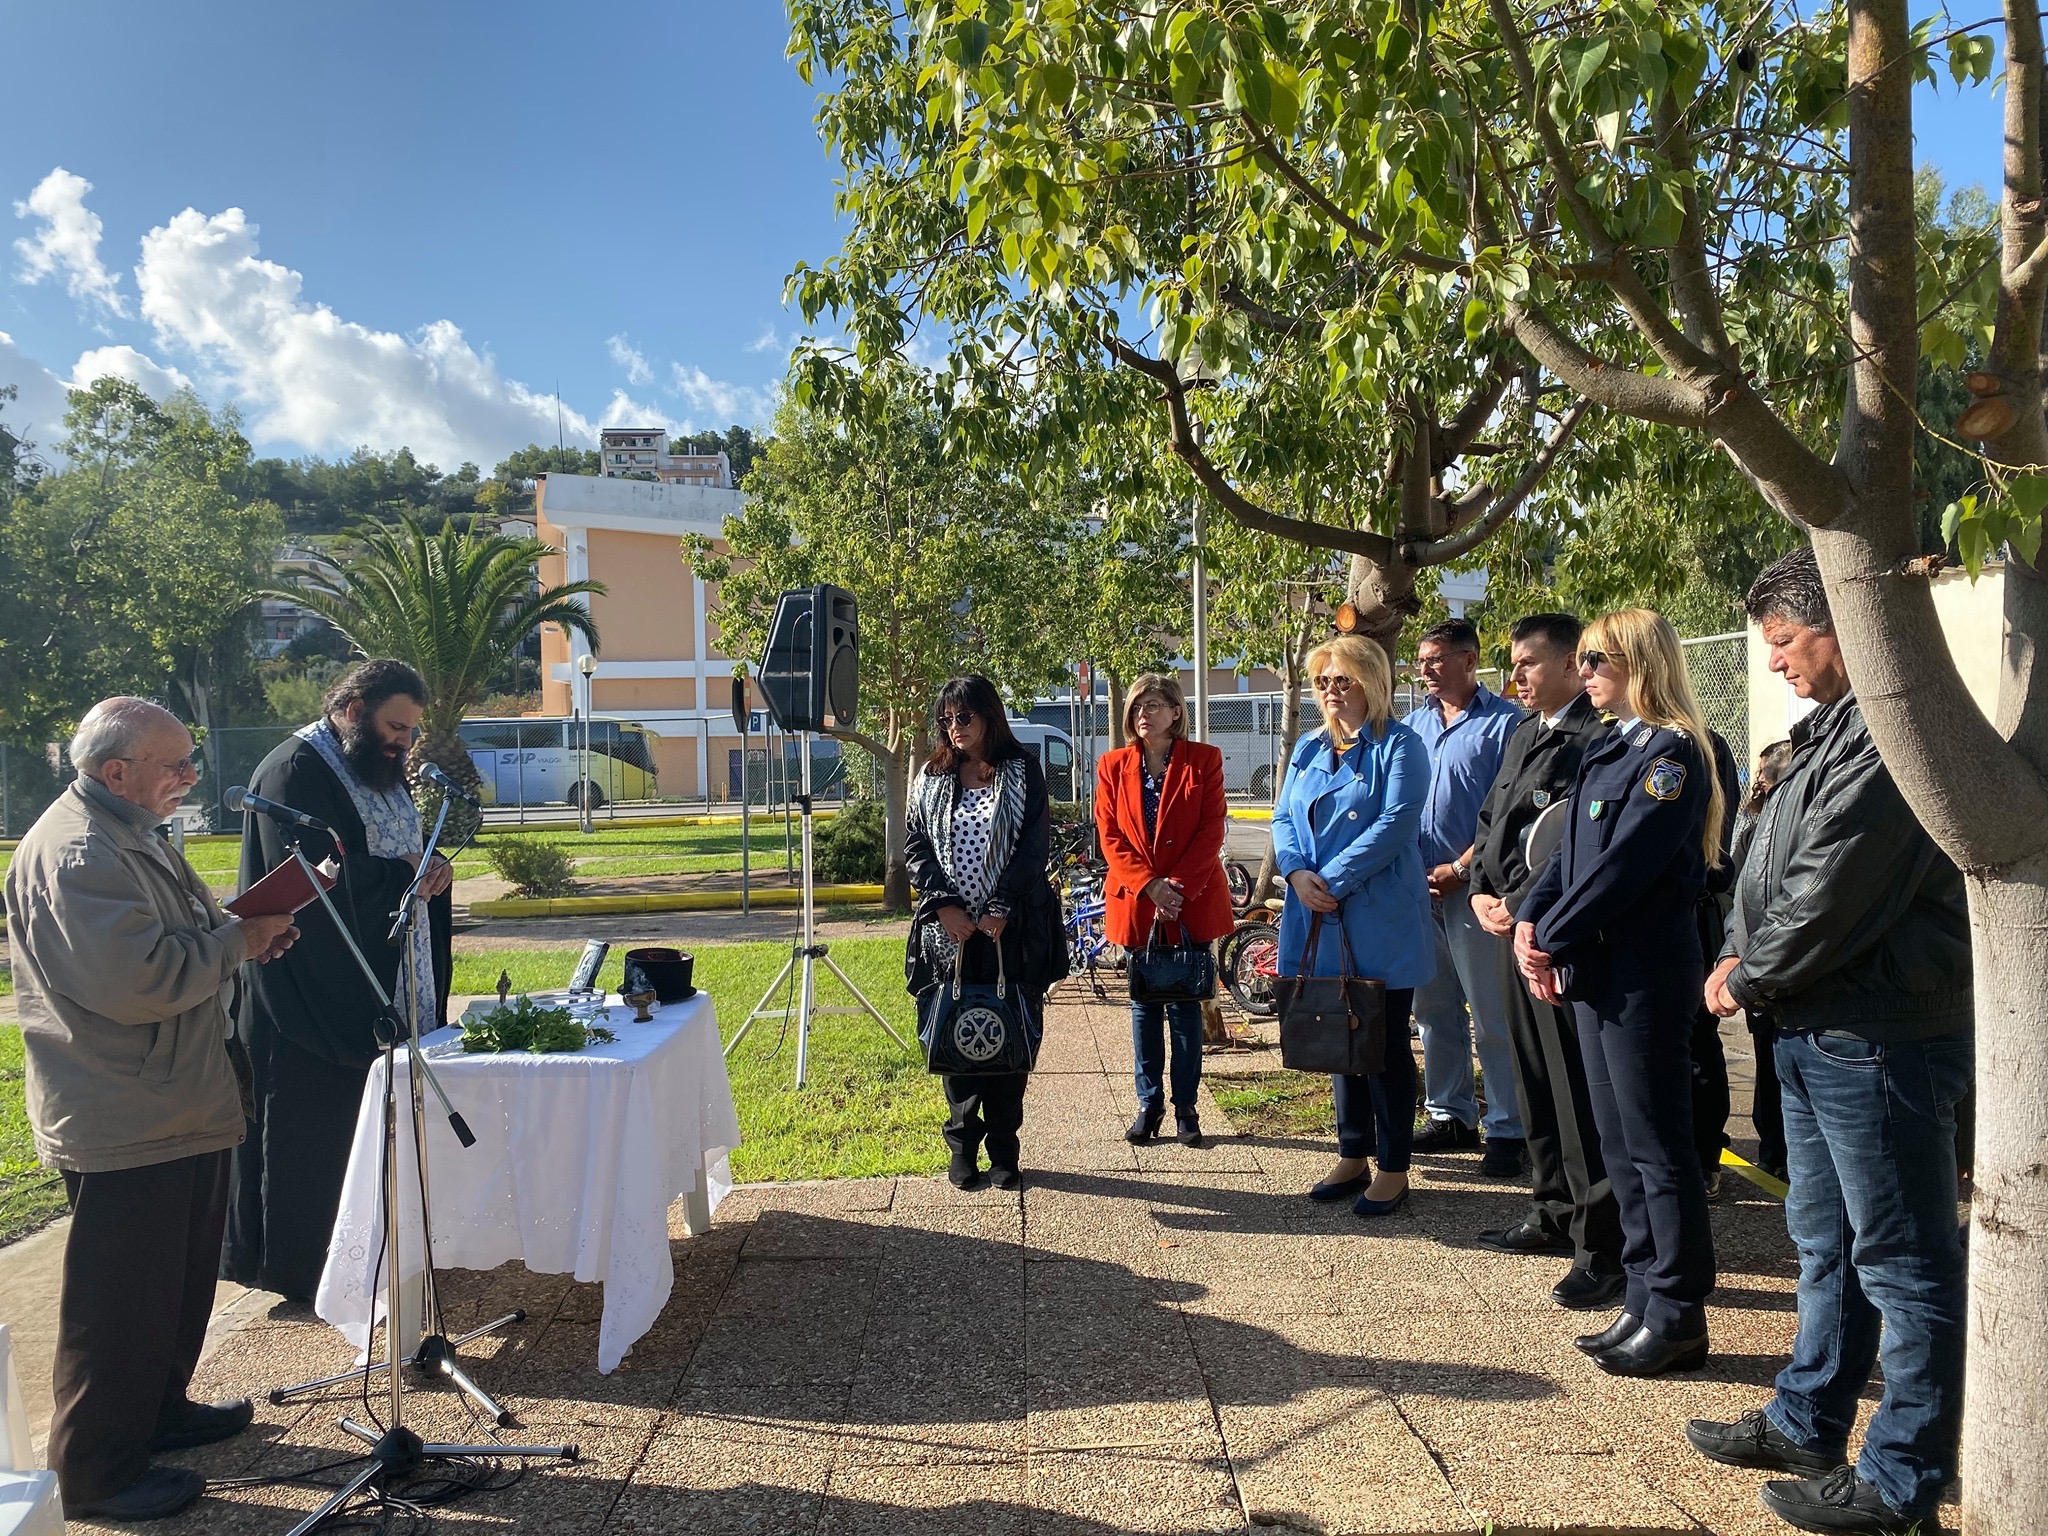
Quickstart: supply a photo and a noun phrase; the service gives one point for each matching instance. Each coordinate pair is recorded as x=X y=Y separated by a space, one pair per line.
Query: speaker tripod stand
x=807 y=953
x=398 y=1451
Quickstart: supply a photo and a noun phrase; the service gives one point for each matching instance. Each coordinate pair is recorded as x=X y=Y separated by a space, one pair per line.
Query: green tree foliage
x=323 y=496
x=139 y=562
x=956 y=568
x=455 y=606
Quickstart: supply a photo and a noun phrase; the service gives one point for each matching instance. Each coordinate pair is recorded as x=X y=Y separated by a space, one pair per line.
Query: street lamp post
x=587 y=665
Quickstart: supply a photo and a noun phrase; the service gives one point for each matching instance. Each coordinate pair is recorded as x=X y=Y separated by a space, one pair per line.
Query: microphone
x=239 y=799
x=440 y=780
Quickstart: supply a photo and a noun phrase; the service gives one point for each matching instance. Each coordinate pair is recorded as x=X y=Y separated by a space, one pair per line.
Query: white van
x=1055 y=752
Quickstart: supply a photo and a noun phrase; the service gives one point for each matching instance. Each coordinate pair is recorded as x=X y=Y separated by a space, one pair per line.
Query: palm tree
x=455 y=606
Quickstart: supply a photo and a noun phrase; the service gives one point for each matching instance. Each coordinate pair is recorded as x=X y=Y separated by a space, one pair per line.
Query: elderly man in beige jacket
x=124 y=967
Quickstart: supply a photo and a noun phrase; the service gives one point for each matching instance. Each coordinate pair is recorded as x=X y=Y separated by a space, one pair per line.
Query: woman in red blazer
x=1160 y=815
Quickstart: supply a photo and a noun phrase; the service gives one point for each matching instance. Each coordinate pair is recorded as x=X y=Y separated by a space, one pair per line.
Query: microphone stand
x=399 y=1452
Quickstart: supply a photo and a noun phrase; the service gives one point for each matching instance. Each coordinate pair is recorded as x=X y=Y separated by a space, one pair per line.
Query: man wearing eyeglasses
x=1466 y=726
x=125 y=967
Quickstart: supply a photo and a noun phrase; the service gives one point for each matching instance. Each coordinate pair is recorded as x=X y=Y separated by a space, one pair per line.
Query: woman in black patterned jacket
x=976 y=848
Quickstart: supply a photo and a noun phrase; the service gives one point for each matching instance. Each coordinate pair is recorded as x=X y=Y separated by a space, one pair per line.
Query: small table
x=578 y=1157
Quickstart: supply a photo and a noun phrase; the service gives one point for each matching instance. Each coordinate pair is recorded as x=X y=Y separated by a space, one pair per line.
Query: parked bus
x=538 y=760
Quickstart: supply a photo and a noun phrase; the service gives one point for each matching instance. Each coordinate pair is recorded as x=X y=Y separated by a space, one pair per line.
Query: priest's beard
x=375 y=766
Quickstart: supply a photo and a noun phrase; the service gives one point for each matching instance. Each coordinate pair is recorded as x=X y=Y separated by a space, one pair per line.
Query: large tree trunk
x=896 y=896
x=1117 y=691
x=2005 y=1485
x=1384 y=596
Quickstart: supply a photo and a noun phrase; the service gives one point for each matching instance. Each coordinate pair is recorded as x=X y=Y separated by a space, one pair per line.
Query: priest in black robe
x=310 y=1027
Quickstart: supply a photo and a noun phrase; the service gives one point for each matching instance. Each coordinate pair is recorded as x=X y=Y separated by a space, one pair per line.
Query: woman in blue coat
x=1609 y=927
x=1346 y=836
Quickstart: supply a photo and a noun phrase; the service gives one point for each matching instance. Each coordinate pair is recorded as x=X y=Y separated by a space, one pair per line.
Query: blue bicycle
x=1089 y=952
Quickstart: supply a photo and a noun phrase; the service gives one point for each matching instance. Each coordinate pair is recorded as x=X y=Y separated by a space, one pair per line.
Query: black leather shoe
x=1504 y=1157
x=1005 y=1178
x=1587 y=1290
x=156 y=1495
x=1529 y=1236
x=1367 y=1207
x=1754 y=1441
x=1187 y=1130
x=1444 y=1135
x=1145 y=1127
x=1645 y=1353
x=1332 y=1190
x=964 y=1171
x=1623 y=1327
x=202 y=1424
x=1841 y=1501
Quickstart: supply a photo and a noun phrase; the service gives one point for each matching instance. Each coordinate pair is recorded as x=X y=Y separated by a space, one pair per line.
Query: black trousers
x=140 y=1263
x=1570 y=1195
x=1635 y=1032
x=1709 y=1090
x=289 y=1170
x=1766 y=1101
x=986 y=1110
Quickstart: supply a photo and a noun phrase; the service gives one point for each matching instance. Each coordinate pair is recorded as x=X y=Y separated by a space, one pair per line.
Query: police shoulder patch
x=1666 y=779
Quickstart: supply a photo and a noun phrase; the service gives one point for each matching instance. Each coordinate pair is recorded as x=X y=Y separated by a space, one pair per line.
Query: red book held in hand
x=285 y=889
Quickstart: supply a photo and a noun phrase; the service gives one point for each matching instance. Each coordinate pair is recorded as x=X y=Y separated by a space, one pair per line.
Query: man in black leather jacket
x=1850 y=926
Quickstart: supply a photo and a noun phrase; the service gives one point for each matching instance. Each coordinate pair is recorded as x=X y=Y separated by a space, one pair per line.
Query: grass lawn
x=868 y=1108
x=1277 y=1103
x=30 y=1194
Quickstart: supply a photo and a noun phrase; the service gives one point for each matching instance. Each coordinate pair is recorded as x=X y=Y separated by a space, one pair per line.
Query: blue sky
x=445 y=210
x=542 y=179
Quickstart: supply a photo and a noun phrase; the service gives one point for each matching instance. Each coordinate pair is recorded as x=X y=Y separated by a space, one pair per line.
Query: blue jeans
x=1376 y=1110
x=1467 y=971
x=1870 y=1142
x=1150 y=1023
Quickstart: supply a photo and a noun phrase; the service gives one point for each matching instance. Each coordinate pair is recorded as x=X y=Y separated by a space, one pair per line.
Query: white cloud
x=309 y=377
x=37 y=413
x=147 y=374
x=68 y=244
x=721 y=403
x=625 y=411
x=623 y=353
x=768 y=341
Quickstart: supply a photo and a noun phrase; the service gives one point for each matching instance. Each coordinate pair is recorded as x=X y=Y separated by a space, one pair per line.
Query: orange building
x=660 y=663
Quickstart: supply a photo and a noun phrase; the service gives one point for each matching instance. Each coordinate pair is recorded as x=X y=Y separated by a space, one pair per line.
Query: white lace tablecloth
x=577 y=1160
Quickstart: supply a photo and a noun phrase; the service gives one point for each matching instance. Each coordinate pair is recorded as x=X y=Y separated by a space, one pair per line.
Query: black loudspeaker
x=810 y=673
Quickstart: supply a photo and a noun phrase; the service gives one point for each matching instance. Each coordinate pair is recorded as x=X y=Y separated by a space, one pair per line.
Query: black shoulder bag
x=1332 y=1024
x=1172 y=973
x=976 y=1028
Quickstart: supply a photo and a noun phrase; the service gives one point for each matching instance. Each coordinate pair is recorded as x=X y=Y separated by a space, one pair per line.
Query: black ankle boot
x=963 y=1171
x=1146 y=1126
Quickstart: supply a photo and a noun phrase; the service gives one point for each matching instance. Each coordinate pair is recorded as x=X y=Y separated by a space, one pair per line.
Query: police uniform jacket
x=1627 y=878
x=1356 y=822
x=1536 y=771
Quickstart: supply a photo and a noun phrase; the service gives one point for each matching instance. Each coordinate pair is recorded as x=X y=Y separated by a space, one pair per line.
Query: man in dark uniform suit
x=311 y=1030
x=1572 y=1208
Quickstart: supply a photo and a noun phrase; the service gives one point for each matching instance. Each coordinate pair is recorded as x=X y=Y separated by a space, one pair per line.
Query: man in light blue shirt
x=1466 y=726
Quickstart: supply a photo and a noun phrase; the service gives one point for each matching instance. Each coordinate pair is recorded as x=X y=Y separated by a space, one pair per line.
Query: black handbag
x=976 y=1028
x=1172 y=973
x=1332 y=1024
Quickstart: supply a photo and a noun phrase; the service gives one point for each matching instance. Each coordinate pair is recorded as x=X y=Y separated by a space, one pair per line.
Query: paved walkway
x=1148 y=1339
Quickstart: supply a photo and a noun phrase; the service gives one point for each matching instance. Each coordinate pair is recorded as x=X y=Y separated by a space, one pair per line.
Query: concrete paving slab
x=1149 y=1339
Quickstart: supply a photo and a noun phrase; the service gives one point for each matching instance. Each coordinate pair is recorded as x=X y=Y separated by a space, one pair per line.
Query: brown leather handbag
x=1332 y=1024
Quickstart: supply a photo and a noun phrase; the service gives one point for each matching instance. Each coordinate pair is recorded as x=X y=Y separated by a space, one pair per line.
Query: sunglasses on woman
x=1334 y=682
x=956 y=717
x=1594 y=659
